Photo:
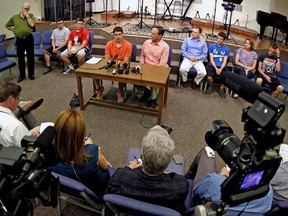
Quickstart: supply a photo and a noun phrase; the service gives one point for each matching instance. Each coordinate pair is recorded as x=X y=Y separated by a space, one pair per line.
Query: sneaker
x=235 y=96
x=48 y=70
x=222 y=92
x=64 y=68
x=99 y=93
x=120 y=98
x=209 y=89
x=70 y=68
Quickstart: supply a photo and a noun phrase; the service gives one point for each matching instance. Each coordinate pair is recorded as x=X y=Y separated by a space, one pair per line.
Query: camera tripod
x=141 y=23
x=91 y=21
x=119 y=14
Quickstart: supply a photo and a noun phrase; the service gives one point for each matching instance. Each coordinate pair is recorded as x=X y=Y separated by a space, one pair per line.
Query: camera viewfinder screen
x=251 y=180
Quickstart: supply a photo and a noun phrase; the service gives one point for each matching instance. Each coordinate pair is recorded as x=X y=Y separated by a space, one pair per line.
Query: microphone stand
x=212 y=35
x=141 y=23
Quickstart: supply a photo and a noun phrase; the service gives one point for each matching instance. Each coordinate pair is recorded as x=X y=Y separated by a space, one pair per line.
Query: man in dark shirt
x=145 y=180
x=268 y=66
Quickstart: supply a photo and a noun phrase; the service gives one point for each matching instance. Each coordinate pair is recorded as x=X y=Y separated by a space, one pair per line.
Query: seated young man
x=146 y=180
x=268 y=66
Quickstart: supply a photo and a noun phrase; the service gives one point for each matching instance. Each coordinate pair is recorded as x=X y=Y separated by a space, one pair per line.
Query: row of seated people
x=146 y=180
x=154 y=51
x=194 y=51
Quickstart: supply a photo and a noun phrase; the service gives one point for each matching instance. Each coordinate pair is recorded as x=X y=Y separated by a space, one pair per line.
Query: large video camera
x=253 y=161
x=24 y=174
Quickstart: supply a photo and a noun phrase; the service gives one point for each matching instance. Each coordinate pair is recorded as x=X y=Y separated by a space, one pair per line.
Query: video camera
x=24 y=174
x=253 y=161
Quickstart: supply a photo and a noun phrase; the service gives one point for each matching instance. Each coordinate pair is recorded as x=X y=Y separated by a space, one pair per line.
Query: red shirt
x=77 y=38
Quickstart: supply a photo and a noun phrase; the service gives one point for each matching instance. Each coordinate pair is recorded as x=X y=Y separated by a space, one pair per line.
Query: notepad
x=93 y=60
x=283 y=151
x=44 y=125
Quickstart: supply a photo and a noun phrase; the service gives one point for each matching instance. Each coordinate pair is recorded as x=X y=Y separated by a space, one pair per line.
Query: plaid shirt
x=169 y=190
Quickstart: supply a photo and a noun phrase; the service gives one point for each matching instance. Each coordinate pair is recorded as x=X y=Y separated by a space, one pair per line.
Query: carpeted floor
x=189 y=112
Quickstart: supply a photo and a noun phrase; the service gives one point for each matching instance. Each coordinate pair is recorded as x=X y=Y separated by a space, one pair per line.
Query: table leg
x=161 y=105
x=80 y=92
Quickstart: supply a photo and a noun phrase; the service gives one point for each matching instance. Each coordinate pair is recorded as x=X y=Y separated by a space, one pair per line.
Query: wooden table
x=153 y=76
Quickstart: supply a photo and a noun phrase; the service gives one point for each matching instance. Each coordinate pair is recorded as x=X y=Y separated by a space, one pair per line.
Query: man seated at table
x=146 y=180
x=123 y=49
x=155 y=51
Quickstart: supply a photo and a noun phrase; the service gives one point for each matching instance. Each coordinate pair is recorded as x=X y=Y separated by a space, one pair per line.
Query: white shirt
x=11 y=129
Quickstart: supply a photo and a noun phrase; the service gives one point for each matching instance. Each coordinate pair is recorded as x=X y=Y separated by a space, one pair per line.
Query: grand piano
x=275 y=20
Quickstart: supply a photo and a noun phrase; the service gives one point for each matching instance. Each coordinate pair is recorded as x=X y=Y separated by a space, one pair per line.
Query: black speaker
x=90 y=1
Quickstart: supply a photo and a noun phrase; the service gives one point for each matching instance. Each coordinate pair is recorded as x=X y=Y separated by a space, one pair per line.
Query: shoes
x=120 y=98
x=31 y=77
x=70 y=68
x=145 y=95
x=152 y=103
x=34 y=104
x=64 y=68
x=222 y=92
x=99 y=93
x=185 y=84
x=209 y=89
x=235 y=96
x=194 y=85
x=20 y=79
x=48 y=70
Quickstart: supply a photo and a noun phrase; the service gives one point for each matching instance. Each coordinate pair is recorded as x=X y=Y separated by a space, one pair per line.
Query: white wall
x=12 y=7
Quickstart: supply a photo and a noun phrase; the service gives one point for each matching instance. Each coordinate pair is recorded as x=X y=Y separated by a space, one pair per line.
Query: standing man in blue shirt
x=218 y=56
x=194 y=51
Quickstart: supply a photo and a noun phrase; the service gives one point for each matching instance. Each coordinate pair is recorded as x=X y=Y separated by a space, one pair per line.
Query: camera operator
x=11 y=129
x=207 y=184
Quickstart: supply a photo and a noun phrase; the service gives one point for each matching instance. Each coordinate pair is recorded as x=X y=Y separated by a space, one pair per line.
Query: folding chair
x=4 y=62
x=78 y=194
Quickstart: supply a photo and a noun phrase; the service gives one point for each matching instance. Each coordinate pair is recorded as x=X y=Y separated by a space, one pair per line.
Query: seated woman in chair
x=79 y=158
x=246 y=60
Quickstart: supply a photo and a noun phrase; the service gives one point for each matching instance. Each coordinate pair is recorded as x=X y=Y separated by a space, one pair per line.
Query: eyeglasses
x=59 y=23
x=19 y=99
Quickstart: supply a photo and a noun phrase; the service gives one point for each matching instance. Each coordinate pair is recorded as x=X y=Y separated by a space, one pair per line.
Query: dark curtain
x=63 y=9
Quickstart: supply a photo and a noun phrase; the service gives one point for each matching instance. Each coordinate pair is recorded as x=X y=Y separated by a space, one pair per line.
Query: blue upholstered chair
x=120 y=204
x=13 y=53
x=283 y=76
x=134 y=52
x=46 y=39
x=38 y=51
x=2 y=38
x=78 y=194
x=4 y=62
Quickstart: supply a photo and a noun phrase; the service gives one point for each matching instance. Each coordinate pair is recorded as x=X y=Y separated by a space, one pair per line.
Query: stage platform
x=218 y=25
x=115 y=14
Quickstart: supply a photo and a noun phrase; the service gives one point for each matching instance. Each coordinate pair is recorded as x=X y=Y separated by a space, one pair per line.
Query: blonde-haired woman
x=79 y=158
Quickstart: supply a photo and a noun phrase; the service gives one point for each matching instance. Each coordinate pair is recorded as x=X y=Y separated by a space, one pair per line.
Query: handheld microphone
x=120 y=71
x=111 y=62
x=245 y=88
x=128 y=66
x=118 y=66
x=137 y=69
